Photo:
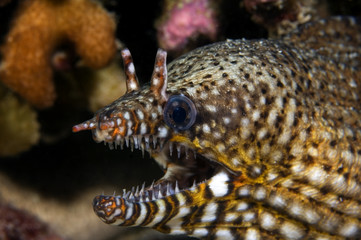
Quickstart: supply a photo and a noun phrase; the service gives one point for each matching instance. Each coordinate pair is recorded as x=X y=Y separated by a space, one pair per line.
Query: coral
x=185 y=20
x=20 y=127
x=108 y=84
x=88 y=88
x=40 y=26
x=18 y=224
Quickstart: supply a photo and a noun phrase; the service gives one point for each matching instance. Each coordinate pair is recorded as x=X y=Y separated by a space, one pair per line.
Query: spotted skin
x=278 y=121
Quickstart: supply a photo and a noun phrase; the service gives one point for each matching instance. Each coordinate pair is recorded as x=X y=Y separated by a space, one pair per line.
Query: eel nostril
x=96 y=203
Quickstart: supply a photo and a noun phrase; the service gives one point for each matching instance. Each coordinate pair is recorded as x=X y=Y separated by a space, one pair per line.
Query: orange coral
x=42 y=25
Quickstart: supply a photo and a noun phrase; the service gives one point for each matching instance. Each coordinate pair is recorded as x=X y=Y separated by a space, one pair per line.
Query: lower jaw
x=160 y=211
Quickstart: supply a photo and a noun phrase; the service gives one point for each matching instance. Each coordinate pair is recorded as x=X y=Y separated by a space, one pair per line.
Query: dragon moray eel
x=259 y=139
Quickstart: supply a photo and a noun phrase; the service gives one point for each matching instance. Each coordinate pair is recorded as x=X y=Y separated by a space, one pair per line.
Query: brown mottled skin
x=276 y=139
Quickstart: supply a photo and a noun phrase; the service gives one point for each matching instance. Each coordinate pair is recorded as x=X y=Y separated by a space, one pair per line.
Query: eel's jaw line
x=132 y=208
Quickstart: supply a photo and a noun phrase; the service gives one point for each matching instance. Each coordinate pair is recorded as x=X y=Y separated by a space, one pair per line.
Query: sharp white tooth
x=127 y=141
x=143 y=186
x=160 y=194
x=176 y=189
x=179 y=151
x=131 y=140
x=167 y=192
x=121 y=143
x=194 y=183
x=136 y=145
x=126 y=196
x=170 y=148
x=155 y=140
x=137 y=192
x=170 y=190
x=142 y=189
x=131 y=197
x=146 y=140
x=124 y=193
x=142 y=148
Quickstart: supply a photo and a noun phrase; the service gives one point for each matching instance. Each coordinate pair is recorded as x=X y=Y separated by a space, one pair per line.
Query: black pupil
x=179 y=115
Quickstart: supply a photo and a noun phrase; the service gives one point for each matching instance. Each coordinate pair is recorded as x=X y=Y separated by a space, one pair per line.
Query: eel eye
x=179 y=112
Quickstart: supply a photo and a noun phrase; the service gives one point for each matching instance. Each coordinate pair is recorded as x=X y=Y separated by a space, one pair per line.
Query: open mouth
x=184 y=168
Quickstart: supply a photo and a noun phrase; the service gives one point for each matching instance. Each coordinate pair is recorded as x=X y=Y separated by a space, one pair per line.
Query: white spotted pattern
x=219 y=184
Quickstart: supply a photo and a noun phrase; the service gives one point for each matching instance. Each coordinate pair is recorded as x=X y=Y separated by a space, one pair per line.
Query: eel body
x=259 y=139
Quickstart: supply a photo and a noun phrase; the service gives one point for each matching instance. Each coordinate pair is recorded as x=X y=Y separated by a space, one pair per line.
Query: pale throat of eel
x=185 y=167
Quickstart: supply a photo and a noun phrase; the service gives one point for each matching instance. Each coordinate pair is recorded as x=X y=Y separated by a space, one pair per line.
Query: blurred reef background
x=60 y=62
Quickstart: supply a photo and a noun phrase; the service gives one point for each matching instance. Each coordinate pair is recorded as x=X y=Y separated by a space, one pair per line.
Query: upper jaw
x=181 y=160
